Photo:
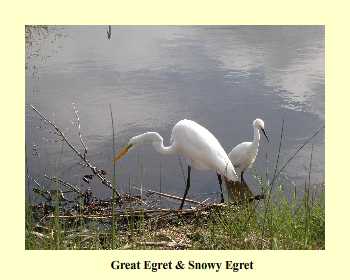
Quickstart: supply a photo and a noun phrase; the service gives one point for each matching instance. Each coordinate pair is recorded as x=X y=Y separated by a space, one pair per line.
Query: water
x=223 y=77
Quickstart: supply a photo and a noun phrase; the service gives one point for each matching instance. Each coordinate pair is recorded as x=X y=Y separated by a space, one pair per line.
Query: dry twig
x=93 y=168
x=79 y=130
x=175 y=197
x=64 y=183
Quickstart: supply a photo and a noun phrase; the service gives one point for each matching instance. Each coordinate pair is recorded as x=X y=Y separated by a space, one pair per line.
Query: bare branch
x=79 y=130
x=171 y=196
x=93 y=168
x=64 y=183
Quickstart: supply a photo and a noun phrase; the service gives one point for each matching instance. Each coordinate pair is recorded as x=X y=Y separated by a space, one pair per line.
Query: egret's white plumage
x=195 y=143
x=192 y=141
x=244 y=154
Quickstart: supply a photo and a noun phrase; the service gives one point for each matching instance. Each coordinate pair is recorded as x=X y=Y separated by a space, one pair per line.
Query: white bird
x=194 y=142
x=243 y=155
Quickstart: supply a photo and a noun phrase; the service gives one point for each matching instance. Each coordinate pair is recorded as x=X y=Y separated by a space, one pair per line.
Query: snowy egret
x=243 y=155
x=191 y=140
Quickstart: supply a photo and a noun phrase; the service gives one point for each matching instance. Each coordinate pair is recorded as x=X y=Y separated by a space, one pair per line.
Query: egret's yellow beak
x=122 y=152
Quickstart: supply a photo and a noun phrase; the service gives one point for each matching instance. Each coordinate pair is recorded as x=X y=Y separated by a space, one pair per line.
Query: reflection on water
x=222 y=77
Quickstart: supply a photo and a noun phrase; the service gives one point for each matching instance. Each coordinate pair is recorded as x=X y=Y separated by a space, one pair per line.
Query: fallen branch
x=64 y=183
x=51 y=195
x=175 y=197
x=205 y=200
x=142 y=212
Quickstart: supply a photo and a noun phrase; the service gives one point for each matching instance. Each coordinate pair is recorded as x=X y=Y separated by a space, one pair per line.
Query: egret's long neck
x=159 y=147
x=157 y=142
x=256 y=137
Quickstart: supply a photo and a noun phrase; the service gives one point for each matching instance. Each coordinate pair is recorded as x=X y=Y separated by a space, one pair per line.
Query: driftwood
x=174 y=197
x=141 y=212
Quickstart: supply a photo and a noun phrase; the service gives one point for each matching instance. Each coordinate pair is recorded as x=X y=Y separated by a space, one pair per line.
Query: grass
x=294 y=223
x=280 y=221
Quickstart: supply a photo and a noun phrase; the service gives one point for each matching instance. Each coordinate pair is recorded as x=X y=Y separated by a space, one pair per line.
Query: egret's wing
x=200 y=145
x=238 y=152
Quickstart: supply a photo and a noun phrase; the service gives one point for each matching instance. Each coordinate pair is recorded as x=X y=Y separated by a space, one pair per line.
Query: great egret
x=196 y=144
x=243 y=155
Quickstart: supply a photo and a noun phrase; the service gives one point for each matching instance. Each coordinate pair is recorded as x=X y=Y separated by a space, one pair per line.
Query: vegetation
x=284 y=224
x=280 y=221
x=123 y=222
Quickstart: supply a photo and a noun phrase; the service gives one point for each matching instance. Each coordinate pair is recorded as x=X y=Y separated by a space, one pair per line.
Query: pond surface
x=223 y=77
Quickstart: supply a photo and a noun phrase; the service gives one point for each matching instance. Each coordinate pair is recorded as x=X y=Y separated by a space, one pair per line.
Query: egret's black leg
x=220 y=183
x=188 y=184
x=242 y=178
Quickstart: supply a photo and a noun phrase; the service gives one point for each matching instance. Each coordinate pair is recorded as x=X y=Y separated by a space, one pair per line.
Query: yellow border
x=16 y=262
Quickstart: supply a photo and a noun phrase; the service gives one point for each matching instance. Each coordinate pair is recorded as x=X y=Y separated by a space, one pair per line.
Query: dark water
x=221 y=77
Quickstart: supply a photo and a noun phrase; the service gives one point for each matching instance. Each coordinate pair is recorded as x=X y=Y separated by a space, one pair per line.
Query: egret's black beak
x=122 y=152
x=267 y=138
